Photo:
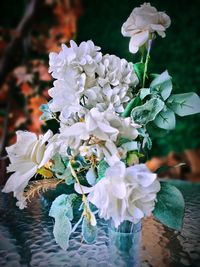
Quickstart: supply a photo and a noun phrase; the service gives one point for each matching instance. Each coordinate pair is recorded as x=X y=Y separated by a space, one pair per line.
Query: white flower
x=115 y=71
x=100 y=130
x=65 y=98
x=87 y=56
x=26 y=156
x=85 y=80
x=142 y=23
x=94 y=124
x=82 y=58
x=124 y=193
x=59 y=62
x=115 y=76
x=74 y=68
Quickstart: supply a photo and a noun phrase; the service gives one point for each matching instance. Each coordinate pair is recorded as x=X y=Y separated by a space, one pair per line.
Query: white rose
x=26 y=156
x=142 y=22
x=124 y=193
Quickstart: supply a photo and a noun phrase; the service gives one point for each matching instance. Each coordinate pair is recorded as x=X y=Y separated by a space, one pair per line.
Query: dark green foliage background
x=179 y=52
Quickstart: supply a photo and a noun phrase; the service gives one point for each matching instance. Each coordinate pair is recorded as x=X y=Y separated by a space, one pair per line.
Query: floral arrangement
x=105 y=107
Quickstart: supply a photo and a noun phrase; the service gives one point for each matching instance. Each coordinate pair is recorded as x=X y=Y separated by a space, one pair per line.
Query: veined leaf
x=166 y=119
x=184 y=104
x=147 y=112
x=169 y=208
x=162 y=84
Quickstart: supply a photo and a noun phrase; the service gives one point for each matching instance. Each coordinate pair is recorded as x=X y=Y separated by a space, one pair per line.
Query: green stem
x=84 y=199
x=146 y=63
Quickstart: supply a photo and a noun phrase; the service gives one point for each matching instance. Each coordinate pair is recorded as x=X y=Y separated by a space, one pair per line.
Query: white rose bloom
x=26 y=156
x=142 y=22
x=124 y=193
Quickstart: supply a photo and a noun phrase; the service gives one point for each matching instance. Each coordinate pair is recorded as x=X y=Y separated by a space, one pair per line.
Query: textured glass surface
x=26 y=237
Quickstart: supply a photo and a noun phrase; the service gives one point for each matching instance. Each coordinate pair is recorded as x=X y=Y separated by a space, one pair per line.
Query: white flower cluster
x=86 y=79
x=89 y=95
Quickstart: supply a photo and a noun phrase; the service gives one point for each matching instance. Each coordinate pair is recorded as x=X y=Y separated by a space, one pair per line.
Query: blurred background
x=30 y=29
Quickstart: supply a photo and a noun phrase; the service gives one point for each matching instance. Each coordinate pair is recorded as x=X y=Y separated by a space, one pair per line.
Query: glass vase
x=124 y=244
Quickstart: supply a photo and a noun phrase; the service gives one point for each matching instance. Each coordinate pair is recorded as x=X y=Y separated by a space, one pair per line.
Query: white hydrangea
x=124 y=194
x=115 y=77
x=114 y=71
x=74 y=68
x=83 y=58
x=26 y=156
x=85 y=79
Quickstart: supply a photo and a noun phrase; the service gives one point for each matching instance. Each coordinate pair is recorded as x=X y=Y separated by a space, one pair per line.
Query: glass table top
x=26 y=237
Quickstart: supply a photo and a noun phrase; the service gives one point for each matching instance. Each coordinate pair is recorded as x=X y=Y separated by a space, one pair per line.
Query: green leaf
x=144 y=92
x=184 y=104
x=58 y=166
x=62 y=230
x=101 y=169
x=147 y=112
x=139 y=70
x=67 y=176
x=62 y=205
x=169 y=208
x=133 y=103
x=166 y=119
x=162 y=84
x=47 y=114
x=89 y=232
x=45 y=172
x=61 y=210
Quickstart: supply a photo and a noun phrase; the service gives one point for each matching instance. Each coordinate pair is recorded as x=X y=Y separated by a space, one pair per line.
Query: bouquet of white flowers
x=105 y=107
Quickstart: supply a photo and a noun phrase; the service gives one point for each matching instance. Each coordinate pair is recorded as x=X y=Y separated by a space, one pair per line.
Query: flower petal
x=138 y=40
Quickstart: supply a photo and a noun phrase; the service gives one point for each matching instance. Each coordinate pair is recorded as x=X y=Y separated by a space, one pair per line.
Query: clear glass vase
x=124 y=244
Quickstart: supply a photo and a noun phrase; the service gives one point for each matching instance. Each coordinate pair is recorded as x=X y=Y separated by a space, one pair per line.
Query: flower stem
x=84 y=199
x=146 y=62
